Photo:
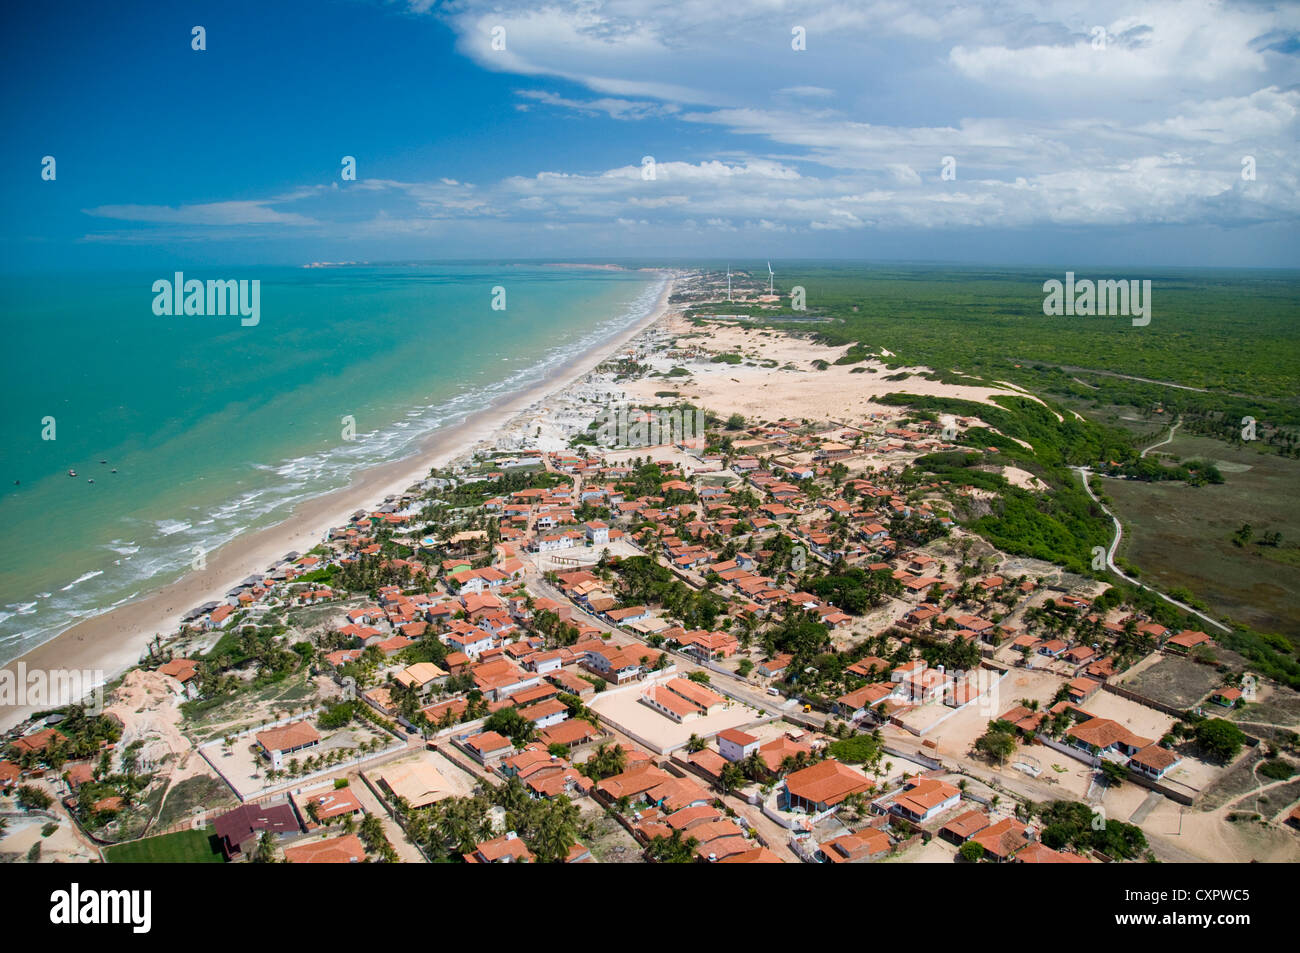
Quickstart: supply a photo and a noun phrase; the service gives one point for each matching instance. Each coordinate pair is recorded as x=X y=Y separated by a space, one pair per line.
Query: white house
x=736 y=745
x=926 y=798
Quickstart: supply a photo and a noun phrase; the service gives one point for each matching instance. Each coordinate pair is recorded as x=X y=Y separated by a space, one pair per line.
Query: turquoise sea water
x=215 y=428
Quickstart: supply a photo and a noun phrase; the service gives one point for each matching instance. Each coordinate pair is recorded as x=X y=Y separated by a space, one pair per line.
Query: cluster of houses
x=487 y=621
x=1098 y=738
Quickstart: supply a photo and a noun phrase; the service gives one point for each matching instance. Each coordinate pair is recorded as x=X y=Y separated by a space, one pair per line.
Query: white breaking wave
x=80 y=579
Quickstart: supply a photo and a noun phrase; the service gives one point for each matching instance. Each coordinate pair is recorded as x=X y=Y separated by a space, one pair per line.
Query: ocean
x=215 y=428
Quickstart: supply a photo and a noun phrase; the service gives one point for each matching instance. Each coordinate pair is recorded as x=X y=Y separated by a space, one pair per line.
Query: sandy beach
x=112 y=642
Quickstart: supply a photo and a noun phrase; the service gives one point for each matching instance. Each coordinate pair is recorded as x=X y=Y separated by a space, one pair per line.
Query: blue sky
x=1098 y=133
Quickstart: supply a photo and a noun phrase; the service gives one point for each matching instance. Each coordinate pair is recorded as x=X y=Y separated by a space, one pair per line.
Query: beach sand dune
x=778 y=378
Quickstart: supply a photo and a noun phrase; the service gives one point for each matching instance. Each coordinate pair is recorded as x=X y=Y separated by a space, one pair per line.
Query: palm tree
x=555 y=832
x=265 y=852
x=730 y=778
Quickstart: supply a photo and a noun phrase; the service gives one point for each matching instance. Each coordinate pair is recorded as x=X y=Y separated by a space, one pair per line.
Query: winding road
x=1169 y=439
x=1114 y=547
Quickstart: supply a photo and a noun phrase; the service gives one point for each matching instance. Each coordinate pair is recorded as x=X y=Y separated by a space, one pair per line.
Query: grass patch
x=182 y=847
x=1181 y=536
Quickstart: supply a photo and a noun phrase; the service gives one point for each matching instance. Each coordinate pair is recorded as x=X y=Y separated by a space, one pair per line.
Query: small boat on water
x=90 y=481
x=72 y=473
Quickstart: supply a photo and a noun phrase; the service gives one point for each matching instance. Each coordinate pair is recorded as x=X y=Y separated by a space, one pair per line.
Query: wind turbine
x=770 y=276
x=728 y=282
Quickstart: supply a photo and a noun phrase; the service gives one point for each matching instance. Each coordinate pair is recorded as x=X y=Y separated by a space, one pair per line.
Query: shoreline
x=111 y=642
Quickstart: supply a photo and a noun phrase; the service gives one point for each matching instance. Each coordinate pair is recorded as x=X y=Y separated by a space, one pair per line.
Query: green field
x=1220 y=345
x=183 y=847
x=1235 y=333
x=1181 y=536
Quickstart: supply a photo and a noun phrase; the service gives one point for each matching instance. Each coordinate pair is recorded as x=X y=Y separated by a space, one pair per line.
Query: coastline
x=111 y=642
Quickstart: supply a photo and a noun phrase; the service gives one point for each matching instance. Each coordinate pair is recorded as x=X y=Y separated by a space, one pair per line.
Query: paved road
x=735 y=686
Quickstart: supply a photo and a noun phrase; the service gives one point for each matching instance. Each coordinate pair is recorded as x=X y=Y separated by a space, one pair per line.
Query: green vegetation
x=858 y=749
x=644 y=581
x=1219 y=738
x=605 y=762
x=1114 y=772
x=32 y=798
x=509 y=723
x=1276 y=769
x=1072 y=824
x=1231 y=332
x=1221 y=355
x=453 y=827
x=475 y=492
x=260 y=648
x=1183 y=538
x=79 y=736
x=1062 y=526
x=675 y=849
x=998 y=742
x=336 y=716
x=182 y=847
x=855 y=590
x=202 y=790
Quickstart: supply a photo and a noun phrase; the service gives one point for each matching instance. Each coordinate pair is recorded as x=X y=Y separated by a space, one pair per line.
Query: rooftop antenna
x=770 y=276
x=728 y=282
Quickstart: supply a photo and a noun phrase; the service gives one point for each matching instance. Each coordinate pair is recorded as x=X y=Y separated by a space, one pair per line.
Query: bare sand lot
x=1194 y=773
x=460 y=783
x=777 y=378
x=627 y=713
x=572 y=557
x=1138 y=719
x=1171 y=680
x=957 y=735
x=61 y=847
x=245 y=768
x=1215 y=839
x=937 y=851
x=1037 y=685
x=1068 y=777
